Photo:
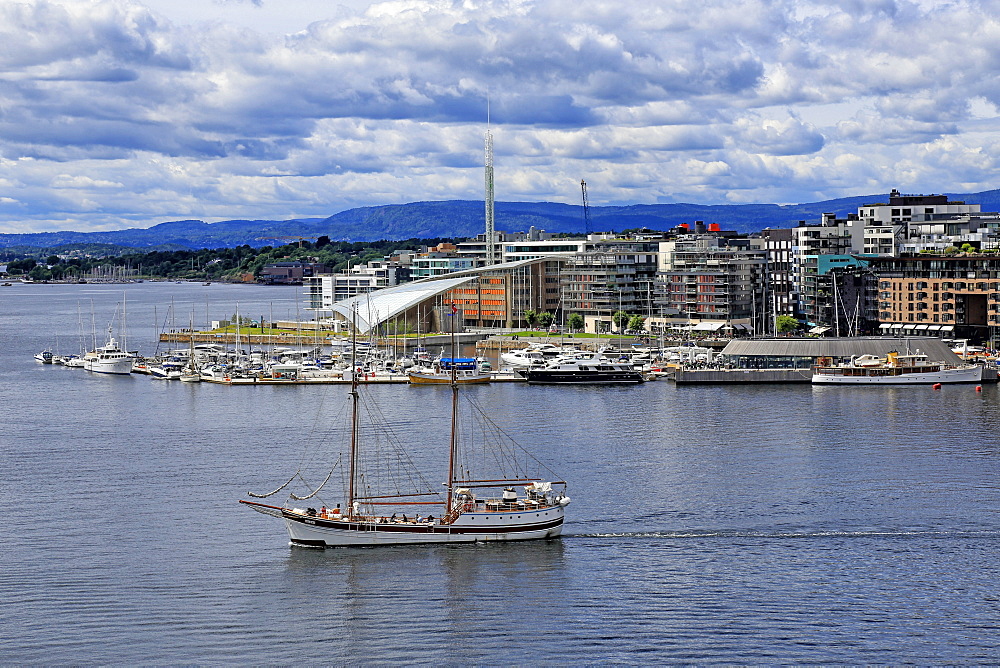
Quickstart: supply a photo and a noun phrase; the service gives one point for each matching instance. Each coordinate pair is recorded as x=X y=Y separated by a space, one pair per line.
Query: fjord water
x=708 y=524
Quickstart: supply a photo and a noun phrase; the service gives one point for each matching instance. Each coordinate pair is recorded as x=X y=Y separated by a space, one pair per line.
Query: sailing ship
x=479 y=502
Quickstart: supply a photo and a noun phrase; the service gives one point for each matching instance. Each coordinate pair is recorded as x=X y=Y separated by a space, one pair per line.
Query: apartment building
x=703 y=280
x=940 y=295
x=888 y=225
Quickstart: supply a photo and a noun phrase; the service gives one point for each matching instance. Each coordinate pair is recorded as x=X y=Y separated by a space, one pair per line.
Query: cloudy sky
x=128 y=113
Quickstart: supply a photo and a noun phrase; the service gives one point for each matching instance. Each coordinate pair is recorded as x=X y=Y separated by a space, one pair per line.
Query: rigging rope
x=315 y=491
x=264 y=496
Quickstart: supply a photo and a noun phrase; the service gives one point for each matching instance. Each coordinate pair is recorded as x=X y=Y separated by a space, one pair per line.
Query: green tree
x=786 y=324
x=531 y=317
x=620 y=318
x=575 y=322
x=40 y=273
x=636 y=322
x=545 y=319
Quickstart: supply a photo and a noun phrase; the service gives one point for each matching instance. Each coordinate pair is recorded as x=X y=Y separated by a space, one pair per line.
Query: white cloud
x=118 y=113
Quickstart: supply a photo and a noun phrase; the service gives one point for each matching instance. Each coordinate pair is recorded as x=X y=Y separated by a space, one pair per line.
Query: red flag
x=454 y=309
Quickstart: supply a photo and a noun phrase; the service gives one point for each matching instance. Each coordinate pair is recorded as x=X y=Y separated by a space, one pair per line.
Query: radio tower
x=586 y=208
x=489 y=192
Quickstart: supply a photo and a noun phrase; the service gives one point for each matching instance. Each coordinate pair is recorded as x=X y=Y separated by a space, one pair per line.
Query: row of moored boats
x=543 y=363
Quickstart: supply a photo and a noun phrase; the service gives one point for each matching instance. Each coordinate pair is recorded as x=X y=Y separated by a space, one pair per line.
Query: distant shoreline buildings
x=913 y=265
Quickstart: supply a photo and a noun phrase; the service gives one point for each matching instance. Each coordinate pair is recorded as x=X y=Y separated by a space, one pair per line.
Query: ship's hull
x=116 y=367
x=468 y=528
x=540 y=376
x=421 y=378
x=966 y=374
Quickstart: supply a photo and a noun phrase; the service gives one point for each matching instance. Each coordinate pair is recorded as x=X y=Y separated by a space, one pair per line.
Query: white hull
x=966 y=374
x=468 y=528
x=109 y=359
x=116 y=367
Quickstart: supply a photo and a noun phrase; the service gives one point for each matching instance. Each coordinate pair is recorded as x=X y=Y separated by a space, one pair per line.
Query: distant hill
x=458 y=218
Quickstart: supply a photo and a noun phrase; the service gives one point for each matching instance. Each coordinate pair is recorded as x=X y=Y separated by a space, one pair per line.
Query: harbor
x=705 y=508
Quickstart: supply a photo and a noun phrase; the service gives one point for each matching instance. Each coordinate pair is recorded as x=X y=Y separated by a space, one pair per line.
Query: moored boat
x=583 y=368
x=896 y=369
x=109 y=359
x=461 y=370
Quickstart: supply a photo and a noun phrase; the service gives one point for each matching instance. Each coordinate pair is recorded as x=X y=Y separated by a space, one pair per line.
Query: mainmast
x=352 y=462
x=453 y=444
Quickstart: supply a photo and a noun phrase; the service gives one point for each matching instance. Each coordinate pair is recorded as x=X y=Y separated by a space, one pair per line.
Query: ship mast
x=352 y=464
x=453 y=445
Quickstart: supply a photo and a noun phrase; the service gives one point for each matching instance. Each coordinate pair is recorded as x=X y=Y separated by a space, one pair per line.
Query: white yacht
x=109 y=358
x=584 y=368
x=895 y=369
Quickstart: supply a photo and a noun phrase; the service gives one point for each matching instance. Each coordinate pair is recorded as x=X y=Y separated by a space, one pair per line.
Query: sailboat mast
x=352 y=462
x=124 y=323
x=453 y=444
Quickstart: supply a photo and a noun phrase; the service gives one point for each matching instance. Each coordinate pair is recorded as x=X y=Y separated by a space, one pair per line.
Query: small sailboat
x=480 y=501
x=446 y=370
x=191 y=372
x=449 y=370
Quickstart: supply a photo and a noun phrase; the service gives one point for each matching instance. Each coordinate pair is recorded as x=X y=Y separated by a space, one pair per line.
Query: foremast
x=353 y=459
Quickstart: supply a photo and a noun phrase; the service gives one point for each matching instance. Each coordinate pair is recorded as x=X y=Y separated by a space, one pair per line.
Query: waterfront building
x=290 y=272
x=949 y=295
x=887 y=226
x=702 y=280
x=781 y=286
x=980 y=231
x=326 y=289
x=834 y=295
x=439 y=263
x=485 y=297
x=608 y=275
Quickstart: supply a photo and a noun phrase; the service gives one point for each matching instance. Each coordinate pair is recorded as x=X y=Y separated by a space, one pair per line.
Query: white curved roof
x=381 y=305
x=377 y=307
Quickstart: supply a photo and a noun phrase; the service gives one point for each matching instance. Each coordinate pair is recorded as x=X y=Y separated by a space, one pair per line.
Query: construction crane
x=586 y=208
x=300 y=239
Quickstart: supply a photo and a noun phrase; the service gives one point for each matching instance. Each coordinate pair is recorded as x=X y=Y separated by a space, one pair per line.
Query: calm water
x=708 y=525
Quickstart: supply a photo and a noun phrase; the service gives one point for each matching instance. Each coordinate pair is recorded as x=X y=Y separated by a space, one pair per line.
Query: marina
x=704 y=509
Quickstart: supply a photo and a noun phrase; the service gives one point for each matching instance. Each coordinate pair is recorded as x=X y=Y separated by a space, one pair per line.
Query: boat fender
x=979 y=388
x=936 y=386
x=564 y=501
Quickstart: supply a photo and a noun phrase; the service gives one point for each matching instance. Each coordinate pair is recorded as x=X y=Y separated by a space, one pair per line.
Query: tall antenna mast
x=586 y=208
x=490 y=241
